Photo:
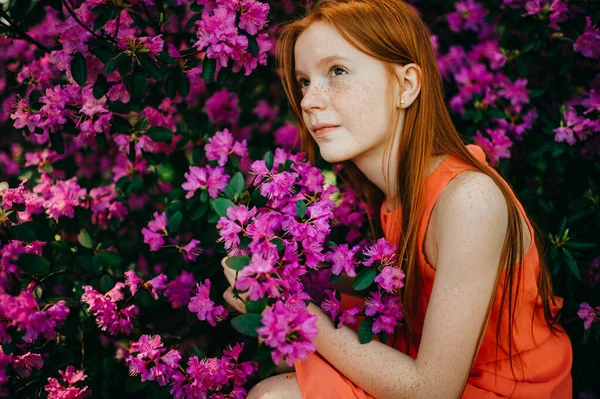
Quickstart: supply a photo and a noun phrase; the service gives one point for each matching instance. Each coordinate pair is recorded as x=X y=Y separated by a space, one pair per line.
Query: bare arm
x=470 y=233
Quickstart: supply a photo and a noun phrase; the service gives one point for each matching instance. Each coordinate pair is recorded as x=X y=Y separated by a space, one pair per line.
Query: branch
x=76 y=18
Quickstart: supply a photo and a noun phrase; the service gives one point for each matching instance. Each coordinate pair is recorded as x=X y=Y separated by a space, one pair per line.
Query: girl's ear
x=407 y=84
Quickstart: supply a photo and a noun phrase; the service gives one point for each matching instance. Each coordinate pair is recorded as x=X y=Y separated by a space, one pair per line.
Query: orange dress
x=544 y=367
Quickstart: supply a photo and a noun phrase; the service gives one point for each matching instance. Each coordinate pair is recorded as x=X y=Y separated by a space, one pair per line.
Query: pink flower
x=390 y=279
x=191 y=250
x=212 y=179
x=222 y=144
x=588 y=314
x=204 y=307
x=496 y=148
x=178 y=291
x=588 y=44
x=155 y=240
x=330 y=304
x=348 y=317
x=70 y=376
x=132 y=281
x=279 y=322
x=255 y=16
x=222 y=107
x=147 y=358
x=382 y=252
x=156 y=284
x=25 y=363
x=159 y=223
x=342 y=258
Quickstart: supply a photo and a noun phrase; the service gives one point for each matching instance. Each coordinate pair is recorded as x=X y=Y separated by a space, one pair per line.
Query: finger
x=236 y=303
x=230 y=275
x=224 y=262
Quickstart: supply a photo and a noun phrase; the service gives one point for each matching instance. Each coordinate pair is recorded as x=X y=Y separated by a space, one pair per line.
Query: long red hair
x=394 y=32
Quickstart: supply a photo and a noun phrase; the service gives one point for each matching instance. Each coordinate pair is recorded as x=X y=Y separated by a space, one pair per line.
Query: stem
x=20 y=32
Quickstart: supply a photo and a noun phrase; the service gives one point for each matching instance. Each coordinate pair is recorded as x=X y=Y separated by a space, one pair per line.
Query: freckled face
x=348 y=89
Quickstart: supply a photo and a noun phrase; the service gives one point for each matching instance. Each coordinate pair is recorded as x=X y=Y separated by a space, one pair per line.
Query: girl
x=480 y=316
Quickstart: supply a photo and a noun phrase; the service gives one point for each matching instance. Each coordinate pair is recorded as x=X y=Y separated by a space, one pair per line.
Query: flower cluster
x=70 y=386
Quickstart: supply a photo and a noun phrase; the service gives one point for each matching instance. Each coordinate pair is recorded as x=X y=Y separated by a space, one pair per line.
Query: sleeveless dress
x=543 y=369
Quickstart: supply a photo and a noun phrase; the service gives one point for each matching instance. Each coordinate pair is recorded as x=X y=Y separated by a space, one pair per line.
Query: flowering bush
x=132 y=160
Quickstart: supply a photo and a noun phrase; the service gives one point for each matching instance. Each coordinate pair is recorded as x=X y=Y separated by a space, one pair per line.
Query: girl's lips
x=323 y=131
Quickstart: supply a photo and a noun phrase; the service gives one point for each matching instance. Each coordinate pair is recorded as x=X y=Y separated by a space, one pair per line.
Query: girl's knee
x=284 y=386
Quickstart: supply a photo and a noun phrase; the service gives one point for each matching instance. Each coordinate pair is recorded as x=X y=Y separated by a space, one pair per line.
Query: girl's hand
x=238 y=303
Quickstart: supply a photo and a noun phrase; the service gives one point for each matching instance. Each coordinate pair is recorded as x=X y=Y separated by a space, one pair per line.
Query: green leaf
x=237 y=262
x=220 y=205
x=190 y=23
x=198 y=212
x=84 y=239
x=208 y=69
x=105 y=14
x=150 y=67
x=256 y=307
x=31 y=231
x=247 y=324
x=224 y=75
x=563 y=225
x=114 y=63
x=269 y=159
x=134 y=385
x=34 y=264
x=383 y=337
x=78 y=69
x=572 y=264
x=253 y=46
x=300 y=209
x=266 y=368
x=109 y=258
x=100 y=87
x=106 y=283
x=237 y=183
x=258 y=200
x=170 y=89
x=364 y=279
x=183 y=84
x=137 y=85
x=160 y=134
x=580 y=246
x=174 y=222
x=365 y=331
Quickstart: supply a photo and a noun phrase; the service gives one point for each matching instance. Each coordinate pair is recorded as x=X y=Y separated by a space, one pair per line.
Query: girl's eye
x=333 y=69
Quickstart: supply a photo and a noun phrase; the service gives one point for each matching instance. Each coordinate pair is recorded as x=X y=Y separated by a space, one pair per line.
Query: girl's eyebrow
x=323 y=61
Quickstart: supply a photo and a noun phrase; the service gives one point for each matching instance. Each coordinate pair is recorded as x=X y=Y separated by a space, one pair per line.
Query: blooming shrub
x=136 y=151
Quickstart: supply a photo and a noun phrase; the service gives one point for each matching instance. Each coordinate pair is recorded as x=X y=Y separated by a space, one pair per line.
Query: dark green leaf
x=31 y=231
x=237 y=262
x=170 y=89
x=256 y=307
x=247 y=324
x=79 y=69
x=208 y=69
x=100 y=86
x=365 y=331
x=364 y=279
x=137 y=85
x=106 y=283
x=300 y=209
x=183 y=84
x=237 y=183
x=109 y=258
x=580 y=246
x=572 y=264
x=257 y=199
x=134 y=384
x=563 y=225
x=160 y=134
x=383 y=337
x=269 y=159
x=198 y=212
x=114 y=63
x=220 y=205
x=34 y=264
x=266 y=368
x=224 y=75
x=192 y=20
x=150 y=67
x=253 y=46
x=174 y=222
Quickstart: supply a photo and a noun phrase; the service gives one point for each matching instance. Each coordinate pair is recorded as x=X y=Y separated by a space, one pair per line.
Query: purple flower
x=330 y=304
x=348 y=317
x=382 y=252
x=25 y=363
x=255 y=16
x=289 y=332
x=147 y=358
x=108 y=317
x=71 y=377
x=588 y=44
x=212 y=179
x=156 y=284
x=222 y=106
x=469 y=15
x=132 y=281
x=178 y=291
x=498 y=147
x=390 y=279
x=258 y=278
x=155 y=240
x=516 y=92
x=204 y=307
x=588 y=314
x=342 y=258
x=222 y=144
x=191 y=250
x=64 y=197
